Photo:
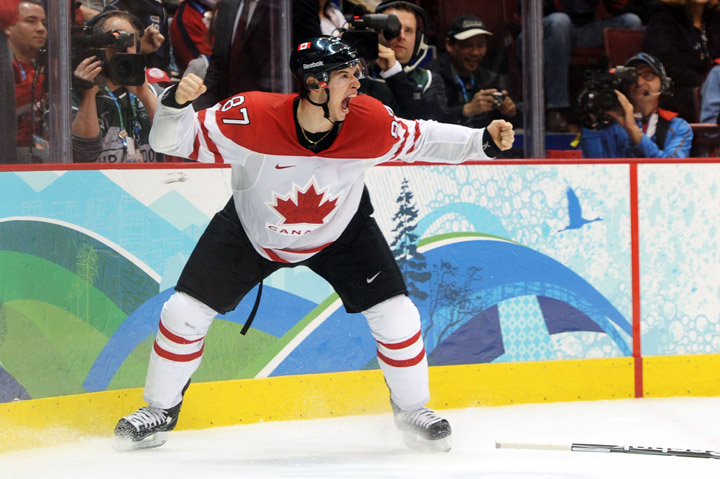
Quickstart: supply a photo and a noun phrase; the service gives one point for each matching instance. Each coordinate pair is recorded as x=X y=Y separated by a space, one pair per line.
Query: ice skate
x=423 y=429
x=147 y=427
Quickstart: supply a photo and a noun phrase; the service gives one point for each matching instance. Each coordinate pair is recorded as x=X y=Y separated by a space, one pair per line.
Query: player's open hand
x=190 y=87
x=502 y=133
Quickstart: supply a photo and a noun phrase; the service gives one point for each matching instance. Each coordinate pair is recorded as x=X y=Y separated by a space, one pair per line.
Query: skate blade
x=154 y=440
x=414 y=441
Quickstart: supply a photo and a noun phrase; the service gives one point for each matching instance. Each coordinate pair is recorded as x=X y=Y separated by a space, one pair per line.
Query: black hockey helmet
x=318 y=57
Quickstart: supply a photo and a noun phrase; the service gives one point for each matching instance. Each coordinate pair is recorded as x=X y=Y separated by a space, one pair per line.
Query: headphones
x=666 y=83
x=421 y=48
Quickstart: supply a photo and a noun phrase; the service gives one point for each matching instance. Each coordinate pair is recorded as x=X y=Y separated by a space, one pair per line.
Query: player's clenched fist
x=502 y=133
x=189 y=88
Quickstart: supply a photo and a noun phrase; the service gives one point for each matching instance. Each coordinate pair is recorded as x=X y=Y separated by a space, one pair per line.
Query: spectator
x=8 y=109
x=190 y=35
x=27 y=38
x=245 y=54
x=568 y=24
x=396 y=79
x=473 y=92
x=641 y=128
x=685 y=36
x=332 y=20
x=153 y=16
x=112 y=121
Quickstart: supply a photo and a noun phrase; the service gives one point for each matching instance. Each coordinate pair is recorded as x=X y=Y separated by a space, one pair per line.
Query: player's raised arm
x=175 y=125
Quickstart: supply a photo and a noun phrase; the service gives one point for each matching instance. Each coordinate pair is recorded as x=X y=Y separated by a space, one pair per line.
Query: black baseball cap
x=466 y=26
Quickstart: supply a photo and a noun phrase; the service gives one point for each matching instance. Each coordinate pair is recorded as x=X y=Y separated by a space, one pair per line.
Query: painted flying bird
x=575 y=212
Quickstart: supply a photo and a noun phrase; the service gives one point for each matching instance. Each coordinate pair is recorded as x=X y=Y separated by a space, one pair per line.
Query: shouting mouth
x=345 y=105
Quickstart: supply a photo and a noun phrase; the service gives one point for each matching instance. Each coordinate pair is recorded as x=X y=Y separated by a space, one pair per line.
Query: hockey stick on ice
x=654 y=451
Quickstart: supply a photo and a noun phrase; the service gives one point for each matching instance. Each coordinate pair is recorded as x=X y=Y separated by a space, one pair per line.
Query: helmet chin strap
x=323 y=105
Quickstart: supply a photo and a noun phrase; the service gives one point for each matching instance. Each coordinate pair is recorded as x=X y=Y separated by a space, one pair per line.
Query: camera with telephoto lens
x=364 y=29
x=598 y=94
x=122 y=69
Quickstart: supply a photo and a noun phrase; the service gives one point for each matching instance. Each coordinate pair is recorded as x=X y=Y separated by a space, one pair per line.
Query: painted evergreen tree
x=87 y=269
x=404 y=246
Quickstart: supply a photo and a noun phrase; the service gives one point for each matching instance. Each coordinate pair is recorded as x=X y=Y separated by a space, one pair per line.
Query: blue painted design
x=287 y=309
x=576 y=221
x=480 y=218
x=512 y=277
x=477 y=341
x=560 y=317
x=510 y=270
x=10 y=389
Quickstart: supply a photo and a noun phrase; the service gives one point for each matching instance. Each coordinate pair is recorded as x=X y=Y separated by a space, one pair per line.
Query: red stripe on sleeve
x=196 y=149
x=417 y=135
x=402 y=145
x=206 y=135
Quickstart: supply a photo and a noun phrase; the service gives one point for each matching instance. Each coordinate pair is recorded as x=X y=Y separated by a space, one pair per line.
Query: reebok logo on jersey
x=282 y=167
x=372 y=278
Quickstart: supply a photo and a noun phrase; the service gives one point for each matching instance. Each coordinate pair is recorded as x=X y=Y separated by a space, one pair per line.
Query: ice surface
x=370 y=447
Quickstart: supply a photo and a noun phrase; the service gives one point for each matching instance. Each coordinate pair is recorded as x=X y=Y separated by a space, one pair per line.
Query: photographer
x=396 y=79
x=634 y=126
x=473 y=92
x=114 y=106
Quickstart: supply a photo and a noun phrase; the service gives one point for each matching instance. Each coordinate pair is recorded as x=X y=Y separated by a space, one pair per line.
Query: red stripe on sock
x=180 y=358
x=404 y=344
x=175 y=338
x=404 y=363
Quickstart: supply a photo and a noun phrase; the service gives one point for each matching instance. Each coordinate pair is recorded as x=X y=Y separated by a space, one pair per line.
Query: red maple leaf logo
x=310 y=207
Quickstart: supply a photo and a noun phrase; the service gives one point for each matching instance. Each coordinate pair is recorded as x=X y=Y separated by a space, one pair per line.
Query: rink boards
x=548 y=282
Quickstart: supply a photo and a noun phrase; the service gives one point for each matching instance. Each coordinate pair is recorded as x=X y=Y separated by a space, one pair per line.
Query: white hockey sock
x=395 y=325
x=178 y=349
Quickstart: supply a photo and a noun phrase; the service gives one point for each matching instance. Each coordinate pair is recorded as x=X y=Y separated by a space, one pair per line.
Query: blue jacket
x=614 y=142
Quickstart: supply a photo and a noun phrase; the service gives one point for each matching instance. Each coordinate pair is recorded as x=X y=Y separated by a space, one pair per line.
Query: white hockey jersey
x=292 y=202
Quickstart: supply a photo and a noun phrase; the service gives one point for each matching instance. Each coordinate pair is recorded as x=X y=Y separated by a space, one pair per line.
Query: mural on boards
x=504 y=263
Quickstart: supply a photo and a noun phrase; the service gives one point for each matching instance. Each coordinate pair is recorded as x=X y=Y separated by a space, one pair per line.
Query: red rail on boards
x=635 y=258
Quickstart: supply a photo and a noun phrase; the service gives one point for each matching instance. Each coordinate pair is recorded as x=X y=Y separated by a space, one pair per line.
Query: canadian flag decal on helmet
x=304 y=46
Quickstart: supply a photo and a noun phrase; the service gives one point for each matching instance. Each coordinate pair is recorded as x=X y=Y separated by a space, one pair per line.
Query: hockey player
x=299 y=198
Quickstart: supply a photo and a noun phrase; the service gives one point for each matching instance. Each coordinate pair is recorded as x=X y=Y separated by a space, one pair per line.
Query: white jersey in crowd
x=292 y=202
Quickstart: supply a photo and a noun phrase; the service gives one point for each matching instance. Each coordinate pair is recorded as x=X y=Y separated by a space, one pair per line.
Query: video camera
x=123 y=68
x=598 y=94
x=363 y=33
